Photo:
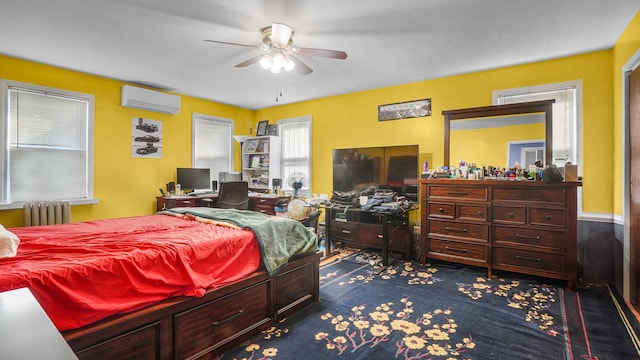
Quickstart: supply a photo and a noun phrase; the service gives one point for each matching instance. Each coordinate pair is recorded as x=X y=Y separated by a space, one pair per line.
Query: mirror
x=499 y=135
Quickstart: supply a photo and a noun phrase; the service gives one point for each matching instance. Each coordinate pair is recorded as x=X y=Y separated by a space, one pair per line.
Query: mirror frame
x=545 y=106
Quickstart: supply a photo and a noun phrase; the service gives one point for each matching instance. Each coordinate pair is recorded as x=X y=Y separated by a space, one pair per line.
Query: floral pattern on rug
x=429 y=334
x=414 y=273
x=535 y=300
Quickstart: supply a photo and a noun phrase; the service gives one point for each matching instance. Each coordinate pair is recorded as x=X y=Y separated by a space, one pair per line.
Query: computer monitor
x=192 y=179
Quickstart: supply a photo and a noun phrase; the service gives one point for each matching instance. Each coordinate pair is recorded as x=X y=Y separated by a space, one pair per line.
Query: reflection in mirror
x=499 y=135
x=499 y=141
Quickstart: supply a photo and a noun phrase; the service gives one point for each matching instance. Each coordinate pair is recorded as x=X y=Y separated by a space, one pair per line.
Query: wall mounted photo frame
x=404 y=110
x=262 y=128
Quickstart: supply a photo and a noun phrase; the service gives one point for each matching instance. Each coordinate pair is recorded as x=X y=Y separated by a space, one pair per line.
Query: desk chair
x=234 y=195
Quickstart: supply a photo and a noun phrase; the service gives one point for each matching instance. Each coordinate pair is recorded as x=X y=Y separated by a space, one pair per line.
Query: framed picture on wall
x=262 y=128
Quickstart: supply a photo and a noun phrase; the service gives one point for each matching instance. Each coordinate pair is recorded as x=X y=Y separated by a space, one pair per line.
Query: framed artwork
x=262 y=128
x=404 y=110
x=272 y=130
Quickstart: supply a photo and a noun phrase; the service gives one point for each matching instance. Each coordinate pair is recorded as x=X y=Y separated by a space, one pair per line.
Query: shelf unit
x=261 y=162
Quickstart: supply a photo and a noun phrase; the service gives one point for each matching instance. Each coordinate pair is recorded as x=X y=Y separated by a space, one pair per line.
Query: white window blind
x=48 y=147
x=212 y=144
x=295 y=135
x=565 y=115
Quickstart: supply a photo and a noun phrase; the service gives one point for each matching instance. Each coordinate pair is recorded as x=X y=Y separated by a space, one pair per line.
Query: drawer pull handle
x=548 y=217
x=480 y=213
x=525 y=237
x=346 y=231
x=512 y=215
x=455 y=229
x=457 y=193
x=222 y=322
x=456 y=249
x=440 y=210
x=528 y=258
x=380 y=236
x=186 y=202
x=263 y=200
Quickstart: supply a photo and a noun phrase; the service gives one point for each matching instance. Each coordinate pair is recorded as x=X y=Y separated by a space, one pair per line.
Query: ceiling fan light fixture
x=266 y=61
x=289 y=64
x=280 y=35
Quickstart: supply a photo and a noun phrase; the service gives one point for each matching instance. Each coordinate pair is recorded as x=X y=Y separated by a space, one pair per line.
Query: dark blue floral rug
x=441 y=311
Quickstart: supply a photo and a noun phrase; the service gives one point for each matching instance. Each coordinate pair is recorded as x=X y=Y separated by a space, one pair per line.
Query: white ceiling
x=160 y=42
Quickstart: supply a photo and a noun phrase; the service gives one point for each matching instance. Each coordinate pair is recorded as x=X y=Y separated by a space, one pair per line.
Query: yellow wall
x=126 y=186
x=626 y=46
x=351 y=120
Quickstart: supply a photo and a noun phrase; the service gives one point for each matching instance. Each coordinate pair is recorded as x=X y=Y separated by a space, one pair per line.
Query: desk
x=363 y=229
x=26 y=332
x=263 y=203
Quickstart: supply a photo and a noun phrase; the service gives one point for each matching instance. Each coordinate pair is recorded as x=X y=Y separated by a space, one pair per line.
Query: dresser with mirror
x=520 y=226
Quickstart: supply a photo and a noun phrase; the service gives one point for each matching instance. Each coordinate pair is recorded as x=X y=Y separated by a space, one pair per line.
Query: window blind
x=295 y=135
x=564 y=119
x=212 y=144
x=48 y=146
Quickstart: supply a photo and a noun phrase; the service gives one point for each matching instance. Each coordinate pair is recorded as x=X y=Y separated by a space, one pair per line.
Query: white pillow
x=8 y=243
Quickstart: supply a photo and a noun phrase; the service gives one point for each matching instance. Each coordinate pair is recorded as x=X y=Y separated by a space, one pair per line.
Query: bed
x=186 y=283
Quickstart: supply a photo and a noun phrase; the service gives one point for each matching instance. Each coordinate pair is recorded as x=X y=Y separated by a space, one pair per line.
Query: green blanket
x=280 y=238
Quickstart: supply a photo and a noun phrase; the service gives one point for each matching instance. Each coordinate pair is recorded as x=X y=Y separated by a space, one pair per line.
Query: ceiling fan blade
x=253 y=60
x=332 y=54
x=301 y=67
x=236 y=44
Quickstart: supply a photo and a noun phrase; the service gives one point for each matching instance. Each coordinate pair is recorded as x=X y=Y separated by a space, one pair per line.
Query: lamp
x=241 y=139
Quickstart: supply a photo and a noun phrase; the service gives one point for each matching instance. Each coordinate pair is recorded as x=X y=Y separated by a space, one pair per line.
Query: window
x=212 y=144
x=47 y=144
x=566 y=115
x=295 y=135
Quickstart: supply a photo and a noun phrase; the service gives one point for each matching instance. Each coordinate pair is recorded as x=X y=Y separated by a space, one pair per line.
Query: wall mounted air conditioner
x=141 y=98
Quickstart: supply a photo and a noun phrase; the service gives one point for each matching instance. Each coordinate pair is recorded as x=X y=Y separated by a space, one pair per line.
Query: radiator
x=46 y=213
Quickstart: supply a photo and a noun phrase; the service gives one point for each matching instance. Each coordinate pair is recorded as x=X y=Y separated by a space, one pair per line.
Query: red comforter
x=84 y=272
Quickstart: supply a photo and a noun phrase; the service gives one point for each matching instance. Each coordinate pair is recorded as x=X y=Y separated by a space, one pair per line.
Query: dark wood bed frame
x=202 y=328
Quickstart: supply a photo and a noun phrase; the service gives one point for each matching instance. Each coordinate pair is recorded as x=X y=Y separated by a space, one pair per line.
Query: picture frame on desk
x=262 y=128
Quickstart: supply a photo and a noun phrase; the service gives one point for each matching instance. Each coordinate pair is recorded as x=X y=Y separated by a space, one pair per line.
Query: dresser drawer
x=553 y=240
x=201 y=330
x=548 y=217
x=458 y=192
x=554 y=196
x=471 y=212
x=469 y=231
x=343 y=230
x=458 y=249
x=528 y=261
x=171 y=203
x=441 y=210
x=509 y=214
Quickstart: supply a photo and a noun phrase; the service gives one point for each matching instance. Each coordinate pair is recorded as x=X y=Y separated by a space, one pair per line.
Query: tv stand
x=364 y=229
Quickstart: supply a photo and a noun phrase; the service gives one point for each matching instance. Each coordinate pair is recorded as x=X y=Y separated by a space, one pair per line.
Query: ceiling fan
x=279 y=52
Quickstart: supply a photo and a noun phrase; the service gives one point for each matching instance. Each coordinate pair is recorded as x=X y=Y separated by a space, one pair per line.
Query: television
x=193 y=179
x=381 y=167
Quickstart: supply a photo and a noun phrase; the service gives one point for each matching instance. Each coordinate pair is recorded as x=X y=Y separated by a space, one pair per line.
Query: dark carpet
x=443 y=311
